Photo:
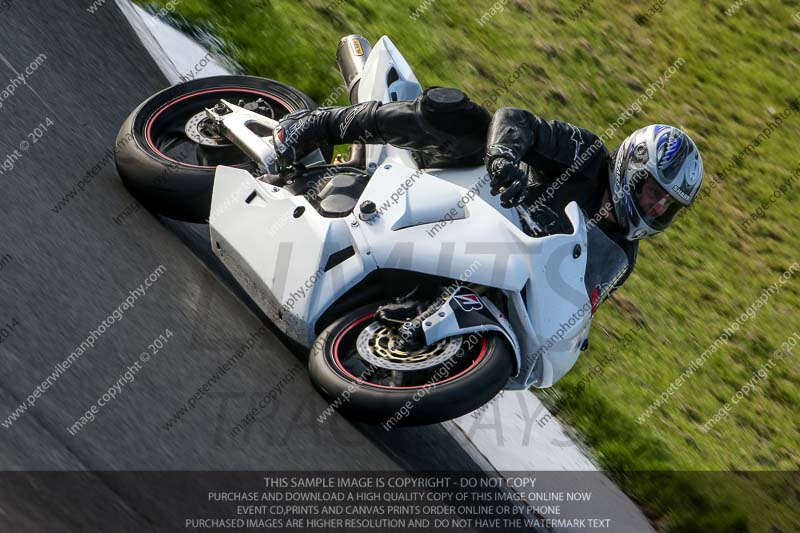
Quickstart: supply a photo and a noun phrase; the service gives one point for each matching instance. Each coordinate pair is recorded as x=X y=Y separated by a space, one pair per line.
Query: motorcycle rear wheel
x=363 y=392
x=168 y=164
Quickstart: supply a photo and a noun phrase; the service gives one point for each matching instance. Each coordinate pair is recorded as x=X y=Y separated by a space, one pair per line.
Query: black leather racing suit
x=443 y=128
x=563 y=163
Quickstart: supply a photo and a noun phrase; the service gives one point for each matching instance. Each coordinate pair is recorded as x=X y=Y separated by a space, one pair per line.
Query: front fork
x=252 y=134
x=405 y=316
x=457 y=311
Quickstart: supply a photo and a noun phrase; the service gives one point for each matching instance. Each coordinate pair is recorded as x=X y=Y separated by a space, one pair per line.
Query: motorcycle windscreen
x=605 y=265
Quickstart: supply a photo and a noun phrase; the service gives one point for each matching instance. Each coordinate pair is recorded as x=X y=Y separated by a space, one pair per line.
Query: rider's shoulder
x=574 y=142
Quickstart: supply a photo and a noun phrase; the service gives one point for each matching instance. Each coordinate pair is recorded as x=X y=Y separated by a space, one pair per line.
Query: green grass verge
x=690 y=283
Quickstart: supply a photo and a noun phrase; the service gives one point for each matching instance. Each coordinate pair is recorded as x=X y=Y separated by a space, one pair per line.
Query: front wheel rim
x=343 y=361
x=174 y=126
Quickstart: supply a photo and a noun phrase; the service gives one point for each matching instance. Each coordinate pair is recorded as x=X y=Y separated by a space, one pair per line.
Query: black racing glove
x=509 y=138
x=296 y=135
x=507 y=179
x=301 y=132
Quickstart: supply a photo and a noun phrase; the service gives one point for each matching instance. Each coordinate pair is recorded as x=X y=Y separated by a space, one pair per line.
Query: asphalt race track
x=74 y=246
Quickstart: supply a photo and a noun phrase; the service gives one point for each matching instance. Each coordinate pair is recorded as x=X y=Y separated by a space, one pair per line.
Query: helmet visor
x=654 y=204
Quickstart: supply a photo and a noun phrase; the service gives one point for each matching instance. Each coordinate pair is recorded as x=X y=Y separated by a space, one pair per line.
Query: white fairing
x=280 y=259
x=439 y=222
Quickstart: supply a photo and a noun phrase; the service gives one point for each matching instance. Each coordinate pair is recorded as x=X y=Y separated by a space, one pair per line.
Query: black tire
x=460 y=394
x=176 y=188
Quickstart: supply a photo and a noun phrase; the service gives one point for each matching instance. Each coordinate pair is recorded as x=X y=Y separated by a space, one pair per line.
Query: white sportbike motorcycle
x=418 y=295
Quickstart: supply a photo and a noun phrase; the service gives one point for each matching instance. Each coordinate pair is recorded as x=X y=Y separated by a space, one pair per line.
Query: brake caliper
x=410 y=315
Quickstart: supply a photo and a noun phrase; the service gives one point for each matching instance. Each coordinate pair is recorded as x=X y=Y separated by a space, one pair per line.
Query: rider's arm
x=511 y=133
x=442 y=125
x=551 y=146
x=550 y=150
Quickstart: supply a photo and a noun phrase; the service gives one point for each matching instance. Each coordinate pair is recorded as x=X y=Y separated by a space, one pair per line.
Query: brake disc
x=199 y=129
x=379 y=346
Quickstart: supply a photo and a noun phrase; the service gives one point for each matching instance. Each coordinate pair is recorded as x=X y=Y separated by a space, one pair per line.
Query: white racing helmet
x=656 y=172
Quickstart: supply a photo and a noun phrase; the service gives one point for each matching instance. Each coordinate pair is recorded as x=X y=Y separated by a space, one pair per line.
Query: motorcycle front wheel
x=358 y=366
x=167 y=154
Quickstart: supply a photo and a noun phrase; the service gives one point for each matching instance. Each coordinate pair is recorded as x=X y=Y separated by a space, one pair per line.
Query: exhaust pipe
x=352 y=56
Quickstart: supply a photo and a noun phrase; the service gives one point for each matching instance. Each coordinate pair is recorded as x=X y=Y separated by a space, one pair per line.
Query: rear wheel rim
x=351 y=365
x=165 y=129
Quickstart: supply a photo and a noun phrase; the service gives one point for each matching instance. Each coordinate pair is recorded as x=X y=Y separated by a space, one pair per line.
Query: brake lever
x=272 y=179
x=522 y=211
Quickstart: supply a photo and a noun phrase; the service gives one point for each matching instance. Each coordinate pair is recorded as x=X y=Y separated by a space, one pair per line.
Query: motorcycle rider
x=632 y=193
